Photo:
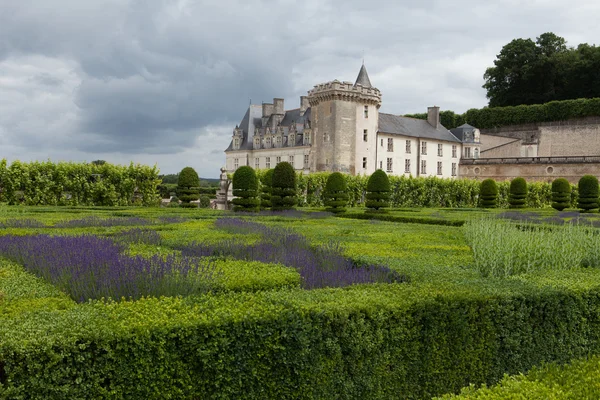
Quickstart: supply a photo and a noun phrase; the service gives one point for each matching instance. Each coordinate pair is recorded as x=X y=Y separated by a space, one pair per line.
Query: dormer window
x=236 y=143
x=257 y=143
x=292 y=140
x=268 y=140
x=278 y=141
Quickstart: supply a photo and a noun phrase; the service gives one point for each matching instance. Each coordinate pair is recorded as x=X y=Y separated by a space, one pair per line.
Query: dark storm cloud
x=169 y=79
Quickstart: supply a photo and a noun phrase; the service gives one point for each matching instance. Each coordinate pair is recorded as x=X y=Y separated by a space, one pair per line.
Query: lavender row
x=322 y=266
x=89 y=267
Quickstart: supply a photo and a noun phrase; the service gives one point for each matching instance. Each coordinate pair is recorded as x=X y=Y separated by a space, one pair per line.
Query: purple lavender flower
x=322 y=266
x=90 y=267
x=22 y=223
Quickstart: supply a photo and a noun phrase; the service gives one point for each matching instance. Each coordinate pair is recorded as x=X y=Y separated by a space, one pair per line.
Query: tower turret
x=345 y=119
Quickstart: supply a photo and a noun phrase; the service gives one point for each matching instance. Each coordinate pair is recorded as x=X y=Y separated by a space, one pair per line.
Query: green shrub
x=204 y=201
x=188 y=187
x=245 y=189
x=284 y=190
x=518 y=193
x=378 y=191
x=266 y=182
x=588 y=193
x=488 y=194
x=561 y=194
x=335 y=196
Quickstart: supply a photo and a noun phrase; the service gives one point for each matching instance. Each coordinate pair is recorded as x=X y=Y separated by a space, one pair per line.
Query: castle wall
x=510 y=149
x=570 y=140
x=538 y=170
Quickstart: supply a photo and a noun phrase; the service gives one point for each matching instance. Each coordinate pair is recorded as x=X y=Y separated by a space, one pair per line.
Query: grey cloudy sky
x=165 y=81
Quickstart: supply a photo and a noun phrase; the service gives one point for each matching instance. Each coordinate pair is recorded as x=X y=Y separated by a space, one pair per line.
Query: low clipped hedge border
x=376 y=342
x=577 y=380
x=399 y=218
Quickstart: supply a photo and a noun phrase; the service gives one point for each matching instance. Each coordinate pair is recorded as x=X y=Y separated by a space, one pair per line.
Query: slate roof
x=253 y=119
x=363 y=78
x=399 y=125
x=460 y=131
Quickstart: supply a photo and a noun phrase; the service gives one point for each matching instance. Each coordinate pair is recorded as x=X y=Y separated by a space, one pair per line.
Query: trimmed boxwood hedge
x=245 y=189
x=375 y=342
x=588 y=193
x=517 y=197
x=283 y=190
x=188 y=187
x=266 y=181
x=497 y=117
x=488 y=193
x=561 y=194
x=378 y=191
x=336 y=196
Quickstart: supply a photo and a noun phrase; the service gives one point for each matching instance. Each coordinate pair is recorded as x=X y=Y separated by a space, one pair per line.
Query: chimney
x=433 y=116
x=267 y=111
x=304 y=105
x=278 y=103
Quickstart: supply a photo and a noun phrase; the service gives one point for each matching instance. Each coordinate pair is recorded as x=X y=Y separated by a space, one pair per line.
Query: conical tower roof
x=363 y=78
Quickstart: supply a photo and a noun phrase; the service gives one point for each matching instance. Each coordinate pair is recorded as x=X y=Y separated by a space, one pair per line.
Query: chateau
x=338 y=127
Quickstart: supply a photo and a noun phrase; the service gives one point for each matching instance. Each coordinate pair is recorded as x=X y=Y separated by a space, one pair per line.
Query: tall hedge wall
x=496 y=117
x=375 y=342
x=420 y=192
x=74 y=184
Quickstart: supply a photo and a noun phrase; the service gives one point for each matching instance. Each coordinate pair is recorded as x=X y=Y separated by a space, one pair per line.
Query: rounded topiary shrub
x=188 y=187
x=336 y=193
x=204 y=201
x=488 y=194
x=588 y=193
x=517 y=195
x=266 y=182
x=245 y=189
x=378 y=191
x=283 y=191
x=561 y=194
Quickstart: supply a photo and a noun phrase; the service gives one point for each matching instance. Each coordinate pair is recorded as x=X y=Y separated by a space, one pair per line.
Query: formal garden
x=327 y=292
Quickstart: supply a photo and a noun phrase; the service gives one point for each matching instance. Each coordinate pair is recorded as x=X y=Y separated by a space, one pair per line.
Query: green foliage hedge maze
x=436 y=335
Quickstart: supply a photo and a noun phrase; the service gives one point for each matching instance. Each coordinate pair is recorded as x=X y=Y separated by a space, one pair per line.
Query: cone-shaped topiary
x=517 y=195
x=561 y=194
x=245 y=189
x=335 y=195
x=283 y=192
x=588 y=193
x=378 y=191
x=265 y=189
x=488 y=194
x=188 y=187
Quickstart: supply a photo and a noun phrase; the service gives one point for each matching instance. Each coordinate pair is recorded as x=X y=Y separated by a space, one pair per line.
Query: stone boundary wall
x=543 y=169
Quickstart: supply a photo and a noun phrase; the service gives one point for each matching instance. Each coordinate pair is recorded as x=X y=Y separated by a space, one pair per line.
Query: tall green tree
x=528 y=72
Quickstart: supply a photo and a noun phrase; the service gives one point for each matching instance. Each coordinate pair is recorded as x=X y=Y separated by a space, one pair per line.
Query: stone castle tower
x=345 y=122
